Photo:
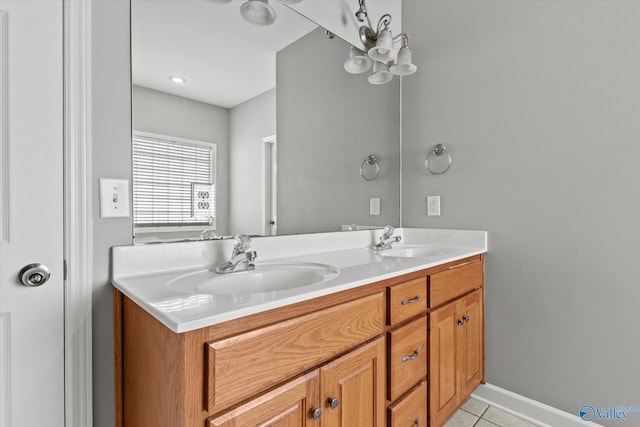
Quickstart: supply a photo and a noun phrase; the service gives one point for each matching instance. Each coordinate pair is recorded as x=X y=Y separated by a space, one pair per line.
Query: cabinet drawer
x=407 y=357
x=407 y=300
x=458 y=280
x=410 y=411
x=244 y=365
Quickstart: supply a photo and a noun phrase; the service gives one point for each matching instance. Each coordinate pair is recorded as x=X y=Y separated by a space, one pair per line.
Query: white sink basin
x=265 y=278
x=416 y=251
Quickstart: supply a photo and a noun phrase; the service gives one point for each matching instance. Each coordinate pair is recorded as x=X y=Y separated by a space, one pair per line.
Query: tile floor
x=477 y=414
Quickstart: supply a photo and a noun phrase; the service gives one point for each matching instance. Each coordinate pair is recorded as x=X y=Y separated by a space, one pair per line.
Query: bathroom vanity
x=382 y=340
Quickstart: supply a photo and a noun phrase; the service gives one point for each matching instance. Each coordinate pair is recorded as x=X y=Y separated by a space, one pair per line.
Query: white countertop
x=143 y=272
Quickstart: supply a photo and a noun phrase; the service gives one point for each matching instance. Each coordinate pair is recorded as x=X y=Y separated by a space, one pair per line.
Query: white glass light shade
x=404 y=66
x=381 y=74
x=258 y=12
x=383 y=51
x=358 y=61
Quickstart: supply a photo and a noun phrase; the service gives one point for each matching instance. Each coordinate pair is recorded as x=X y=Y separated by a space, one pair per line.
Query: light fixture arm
x=368 y=36
x=403 y=38
x=362 y=13
x=384 y=22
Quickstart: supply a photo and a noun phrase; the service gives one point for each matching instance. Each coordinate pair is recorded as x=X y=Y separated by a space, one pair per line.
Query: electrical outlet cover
x=433 y=206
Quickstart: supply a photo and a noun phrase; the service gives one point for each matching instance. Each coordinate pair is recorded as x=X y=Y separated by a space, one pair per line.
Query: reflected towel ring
x=371 y=161
x=438 y=151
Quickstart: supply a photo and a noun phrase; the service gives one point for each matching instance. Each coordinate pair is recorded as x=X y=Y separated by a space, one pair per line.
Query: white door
x=31 y=209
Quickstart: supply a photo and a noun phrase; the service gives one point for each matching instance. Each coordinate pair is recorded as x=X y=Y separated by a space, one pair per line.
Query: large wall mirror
x=291 y=129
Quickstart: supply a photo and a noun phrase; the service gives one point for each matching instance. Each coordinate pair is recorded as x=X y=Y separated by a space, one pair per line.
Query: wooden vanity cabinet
x=406 y=351
x=456 y=339
x=295 y=362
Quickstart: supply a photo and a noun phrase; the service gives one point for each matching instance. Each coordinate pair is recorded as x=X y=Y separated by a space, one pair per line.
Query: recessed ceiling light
x=178 y=79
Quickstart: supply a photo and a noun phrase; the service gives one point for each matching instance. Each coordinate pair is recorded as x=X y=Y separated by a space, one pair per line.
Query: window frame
x=174 y=230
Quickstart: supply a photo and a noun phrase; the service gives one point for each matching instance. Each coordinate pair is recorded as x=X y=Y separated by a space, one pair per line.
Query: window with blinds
x=173 y=183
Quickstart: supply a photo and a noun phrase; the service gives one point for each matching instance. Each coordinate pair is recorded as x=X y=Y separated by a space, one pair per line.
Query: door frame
x=270 y=206
x=77 y=214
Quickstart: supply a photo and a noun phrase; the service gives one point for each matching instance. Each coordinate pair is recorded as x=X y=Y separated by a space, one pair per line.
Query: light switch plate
x=114 y=198
x=374 y=206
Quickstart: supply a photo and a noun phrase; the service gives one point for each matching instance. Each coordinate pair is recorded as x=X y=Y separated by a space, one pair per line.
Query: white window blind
x=173 y=182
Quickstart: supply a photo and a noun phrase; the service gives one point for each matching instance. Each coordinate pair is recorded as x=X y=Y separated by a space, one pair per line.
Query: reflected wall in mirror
x=290 y=126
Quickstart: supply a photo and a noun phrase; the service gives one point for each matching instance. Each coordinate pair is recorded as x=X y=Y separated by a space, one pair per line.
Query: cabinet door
x=443 y=363
x=352 y=388
x=471 y=343
x=291 y=405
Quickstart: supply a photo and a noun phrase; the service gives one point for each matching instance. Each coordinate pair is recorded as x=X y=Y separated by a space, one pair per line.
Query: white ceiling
x=225 y=60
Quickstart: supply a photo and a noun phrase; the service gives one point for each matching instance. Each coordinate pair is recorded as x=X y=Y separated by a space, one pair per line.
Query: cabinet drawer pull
x=410 y=301
x=412 y=357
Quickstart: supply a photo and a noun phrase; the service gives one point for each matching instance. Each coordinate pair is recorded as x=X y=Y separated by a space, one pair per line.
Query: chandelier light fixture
x=379 y=47
x=258 y=12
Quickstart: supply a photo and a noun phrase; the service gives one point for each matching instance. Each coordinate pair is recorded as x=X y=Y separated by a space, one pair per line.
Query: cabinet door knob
x=410 y=301
x=316 y=413
x=461 y=321
x=333 y=402
x=417 y=422
x=411 y=357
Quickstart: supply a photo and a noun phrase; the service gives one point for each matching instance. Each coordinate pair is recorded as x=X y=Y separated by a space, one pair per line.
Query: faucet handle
x=387 y=232
x=242 y=242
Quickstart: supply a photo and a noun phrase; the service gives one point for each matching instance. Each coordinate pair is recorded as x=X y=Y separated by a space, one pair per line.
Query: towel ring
x=438 y=151
x=371 y=161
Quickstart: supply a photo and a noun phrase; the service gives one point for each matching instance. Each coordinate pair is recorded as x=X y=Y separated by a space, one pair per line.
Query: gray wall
x=171 y=115
x=538 y=102
x=249 y=122
x=111 y=158
x=328 y=122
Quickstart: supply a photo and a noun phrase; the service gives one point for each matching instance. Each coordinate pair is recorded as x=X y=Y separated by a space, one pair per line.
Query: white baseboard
x=527 y=409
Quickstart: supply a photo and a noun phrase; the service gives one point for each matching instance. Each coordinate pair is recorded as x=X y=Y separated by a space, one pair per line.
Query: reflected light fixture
x=379 y=45
x=358 y=61
x=381 y=74
x=258 y=12
x=403 y=65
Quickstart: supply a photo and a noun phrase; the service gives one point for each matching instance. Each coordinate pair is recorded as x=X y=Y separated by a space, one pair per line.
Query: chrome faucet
x=241 y=260
x=387 y=239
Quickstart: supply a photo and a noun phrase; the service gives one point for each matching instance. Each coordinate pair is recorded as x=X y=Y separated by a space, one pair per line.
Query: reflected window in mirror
x=174 y=185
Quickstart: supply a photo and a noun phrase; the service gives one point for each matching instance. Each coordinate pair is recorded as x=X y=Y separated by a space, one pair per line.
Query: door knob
x=34 y=275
